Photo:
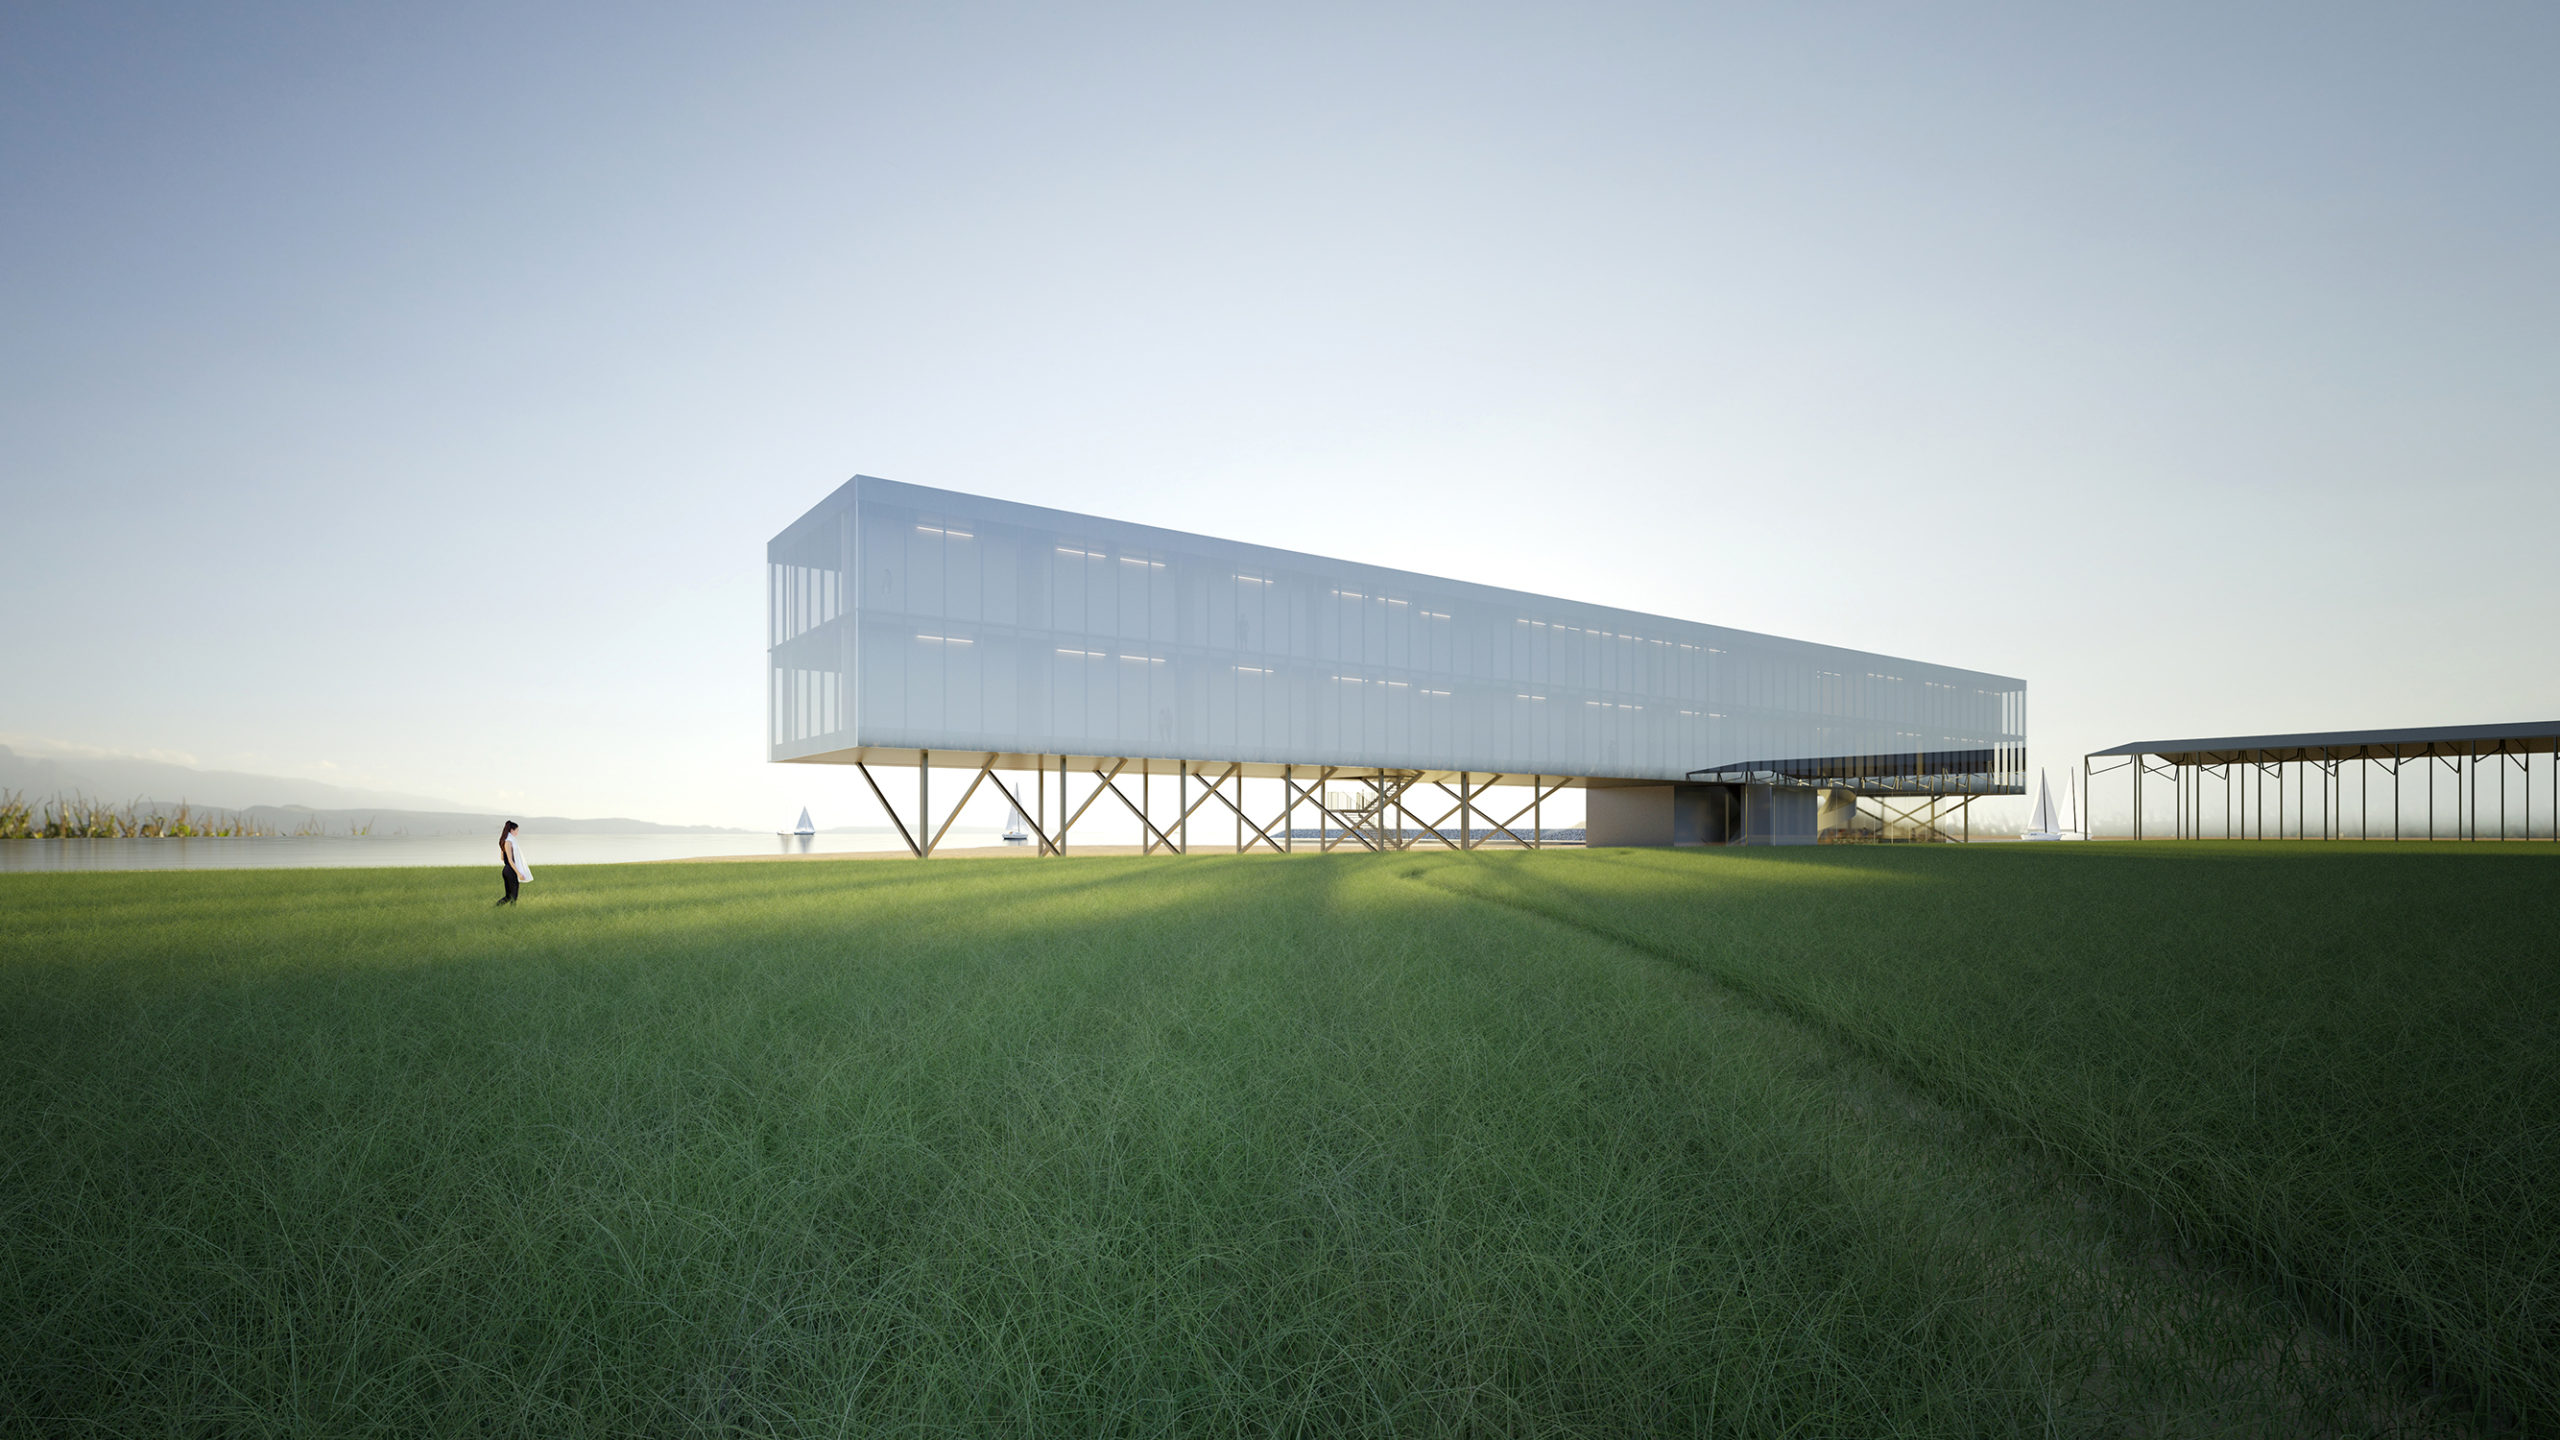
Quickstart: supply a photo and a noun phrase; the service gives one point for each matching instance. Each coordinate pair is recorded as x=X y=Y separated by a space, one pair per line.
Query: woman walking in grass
x=511 y=866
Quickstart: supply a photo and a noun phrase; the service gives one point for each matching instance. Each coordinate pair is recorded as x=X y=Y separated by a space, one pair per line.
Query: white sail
x=2040 y=824
x=2069 y=827
x=804 y=827
x=1017 y=826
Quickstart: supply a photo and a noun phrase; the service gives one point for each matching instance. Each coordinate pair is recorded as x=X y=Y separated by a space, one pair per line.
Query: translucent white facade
x=906 y=619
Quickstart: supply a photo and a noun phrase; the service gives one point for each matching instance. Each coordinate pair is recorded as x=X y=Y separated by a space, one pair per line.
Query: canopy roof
x=2412 y=743
x=1910 y=773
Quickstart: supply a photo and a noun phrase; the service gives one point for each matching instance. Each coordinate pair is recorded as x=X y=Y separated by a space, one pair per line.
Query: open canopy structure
x=2246 y=766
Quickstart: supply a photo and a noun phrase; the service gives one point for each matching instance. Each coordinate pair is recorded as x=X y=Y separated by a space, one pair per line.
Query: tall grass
x=1306 y=1146
x=78 y=817
x=2338 y=1067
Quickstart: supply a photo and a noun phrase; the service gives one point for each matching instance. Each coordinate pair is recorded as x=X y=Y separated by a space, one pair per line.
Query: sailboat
x=2068 y=826
x=1017 y=826
x=804 y=828
x=2040 y=824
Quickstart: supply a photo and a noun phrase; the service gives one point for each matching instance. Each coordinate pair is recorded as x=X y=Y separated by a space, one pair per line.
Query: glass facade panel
x=909 y=618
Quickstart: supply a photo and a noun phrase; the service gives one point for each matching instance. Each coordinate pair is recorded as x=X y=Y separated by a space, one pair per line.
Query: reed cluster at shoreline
x=77 y=817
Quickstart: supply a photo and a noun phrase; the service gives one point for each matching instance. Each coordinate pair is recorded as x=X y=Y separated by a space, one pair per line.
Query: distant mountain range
x=296 y=819
x=286 y=805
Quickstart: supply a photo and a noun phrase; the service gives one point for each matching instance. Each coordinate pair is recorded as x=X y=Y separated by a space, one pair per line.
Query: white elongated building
x=910 y=623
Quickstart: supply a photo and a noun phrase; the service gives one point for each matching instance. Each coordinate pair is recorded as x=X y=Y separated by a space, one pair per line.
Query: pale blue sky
x=406 y=398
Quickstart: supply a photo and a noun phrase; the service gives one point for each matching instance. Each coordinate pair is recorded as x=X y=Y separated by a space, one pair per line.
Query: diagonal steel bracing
x=1235 y=772
x=1116 y=768
x=892 y=810
x=1539 y=794
x=1383 y=820
x=1331 y=820
x=1029 y=817
x=1135 y=809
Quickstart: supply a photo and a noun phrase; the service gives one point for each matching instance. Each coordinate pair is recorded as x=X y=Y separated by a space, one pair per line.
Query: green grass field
x=2083 y=1140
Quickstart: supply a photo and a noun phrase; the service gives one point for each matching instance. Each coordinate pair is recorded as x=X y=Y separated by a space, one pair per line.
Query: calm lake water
x=539 y=850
